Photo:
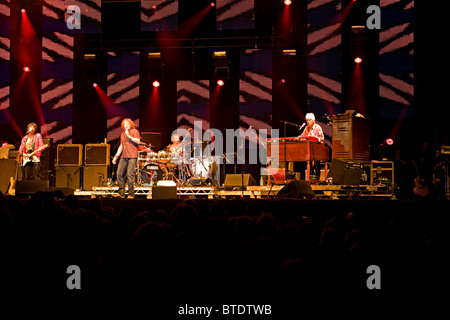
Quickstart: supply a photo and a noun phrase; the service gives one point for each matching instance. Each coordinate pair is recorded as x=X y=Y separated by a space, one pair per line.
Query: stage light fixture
x=26 y=69
x=95 y=85
x=23 y=10
x=358 y=60
x=389 y=141
x=212 y=4
x=283 y=80
x=156 y=84
x=154 y=55
x=220 y=83
x=289 y=53
x=287 y=2
x=219 y=54
x=89 y=56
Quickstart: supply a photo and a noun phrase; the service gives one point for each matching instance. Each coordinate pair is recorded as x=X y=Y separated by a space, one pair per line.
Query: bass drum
x=151 y=173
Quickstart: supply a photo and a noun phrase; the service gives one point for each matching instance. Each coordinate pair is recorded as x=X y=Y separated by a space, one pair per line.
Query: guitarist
x=30 y=151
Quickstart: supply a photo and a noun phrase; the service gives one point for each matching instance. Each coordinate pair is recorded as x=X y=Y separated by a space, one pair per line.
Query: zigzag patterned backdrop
x=397 y=58
x=5 y=34
x=396 y=73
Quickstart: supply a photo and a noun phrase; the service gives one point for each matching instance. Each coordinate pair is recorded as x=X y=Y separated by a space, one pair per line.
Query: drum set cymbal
x=144 y=147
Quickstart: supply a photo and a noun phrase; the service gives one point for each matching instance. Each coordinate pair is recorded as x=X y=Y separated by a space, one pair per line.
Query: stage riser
x=320 y=191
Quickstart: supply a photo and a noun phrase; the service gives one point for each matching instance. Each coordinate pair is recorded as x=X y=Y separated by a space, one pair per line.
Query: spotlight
x=358 y=60
x=283 y=80
x=212 y=4
x=220 y=83
x=26 y=69
x=23 y=10
x=287 y=2
x=95 y=85
x=156 y=84
x=389 y=141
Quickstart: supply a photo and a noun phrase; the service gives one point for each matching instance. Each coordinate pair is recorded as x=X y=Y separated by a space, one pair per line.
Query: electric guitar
x=28 y=157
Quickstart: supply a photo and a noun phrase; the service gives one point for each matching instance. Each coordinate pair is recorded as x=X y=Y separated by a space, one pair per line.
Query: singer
x=128 y=153
x=30 y=151
x=312 y=128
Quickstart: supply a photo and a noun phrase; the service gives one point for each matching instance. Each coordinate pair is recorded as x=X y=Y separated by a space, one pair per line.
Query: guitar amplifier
x=69 y=154
x=96 y=154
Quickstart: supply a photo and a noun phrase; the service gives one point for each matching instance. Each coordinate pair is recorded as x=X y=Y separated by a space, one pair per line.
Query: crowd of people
x=214 y=254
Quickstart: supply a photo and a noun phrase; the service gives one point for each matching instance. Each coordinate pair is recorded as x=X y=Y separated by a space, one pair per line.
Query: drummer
x=175 y=149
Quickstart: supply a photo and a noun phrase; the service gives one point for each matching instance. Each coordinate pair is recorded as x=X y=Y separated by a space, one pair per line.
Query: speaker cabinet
x=351 y=138
x=236 y=181
x=96 y=154
x=153 y=138
x=166 y=192
x=297 y=189
x=30 y=187
x=94 y=176
x=46 y=165
x=347 y=172
x=69 y=154
x=68 y=177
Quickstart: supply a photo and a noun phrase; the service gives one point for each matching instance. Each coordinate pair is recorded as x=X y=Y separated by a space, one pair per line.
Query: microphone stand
x=285 y=140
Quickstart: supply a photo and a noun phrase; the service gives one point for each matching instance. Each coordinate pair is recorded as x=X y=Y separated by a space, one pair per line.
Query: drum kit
x=170 y=164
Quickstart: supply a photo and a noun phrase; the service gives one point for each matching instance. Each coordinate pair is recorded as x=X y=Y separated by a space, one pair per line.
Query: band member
x=175 y=149
x=312 y=129
x=128 y=153
x=30 y=151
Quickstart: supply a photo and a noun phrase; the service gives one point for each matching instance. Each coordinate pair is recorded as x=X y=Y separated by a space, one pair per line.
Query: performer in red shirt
x=128 y=153
x=30 y=151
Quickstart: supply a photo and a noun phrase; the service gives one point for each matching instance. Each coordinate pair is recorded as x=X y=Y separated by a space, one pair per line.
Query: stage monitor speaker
x=69 y=154
x=96 y=154
x=153 y=138
x=347 y=172
x=60 y=192
x=195 y=181
x=94 y=176
x=168 y=192
x=235 y=181
x=30 y=187
x=297 y=189
x=68 y=177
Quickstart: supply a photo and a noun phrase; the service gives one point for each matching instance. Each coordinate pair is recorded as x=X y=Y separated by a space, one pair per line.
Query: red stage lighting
x=26 y=69
x=358 y=60
x=23 y=10
x=283 y=81
x=389 y=141
x=287 y=2
x=95 y=84
x=156 y=84
x=220 y=83
x=212 y=4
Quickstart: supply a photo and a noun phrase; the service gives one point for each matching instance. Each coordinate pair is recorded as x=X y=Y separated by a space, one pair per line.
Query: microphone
x=304 y=124
x=250 y=128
